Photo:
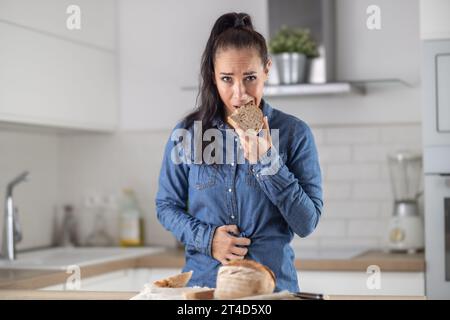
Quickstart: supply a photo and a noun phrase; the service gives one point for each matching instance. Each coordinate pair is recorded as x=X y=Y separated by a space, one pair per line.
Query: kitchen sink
x=60 y=258
x=328 y=253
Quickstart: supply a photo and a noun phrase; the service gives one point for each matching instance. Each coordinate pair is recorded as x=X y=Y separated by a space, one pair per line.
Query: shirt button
x=229 y=190
x=232 y=164
x=232 y=217
x=257 y=175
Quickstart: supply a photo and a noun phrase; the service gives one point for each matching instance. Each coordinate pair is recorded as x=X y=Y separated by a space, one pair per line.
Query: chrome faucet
x=11 y=226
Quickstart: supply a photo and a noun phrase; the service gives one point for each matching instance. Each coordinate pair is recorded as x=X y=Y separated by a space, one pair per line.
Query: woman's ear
x=267 y=68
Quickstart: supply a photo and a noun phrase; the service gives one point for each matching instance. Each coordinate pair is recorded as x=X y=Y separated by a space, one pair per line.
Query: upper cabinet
x=378 y=40
x=56 y=76
x=98 y=19
x=434 y=19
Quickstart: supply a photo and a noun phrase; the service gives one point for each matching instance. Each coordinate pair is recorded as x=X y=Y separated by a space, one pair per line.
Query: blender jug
x=406 y=226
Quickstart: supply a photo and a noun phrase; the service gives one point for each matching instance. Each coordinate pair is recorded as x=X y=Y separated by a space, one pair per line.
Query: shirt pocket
x=250 y=179
x=204 y=176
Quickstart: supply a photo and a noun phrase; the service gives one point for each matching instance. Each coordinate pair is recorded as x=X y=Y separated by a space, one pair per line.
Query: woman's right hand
x=225 y=246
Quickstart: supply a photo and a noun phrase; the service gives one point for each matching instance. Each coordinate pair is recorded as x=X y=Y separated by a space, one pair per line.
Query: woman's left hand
x=253 y=145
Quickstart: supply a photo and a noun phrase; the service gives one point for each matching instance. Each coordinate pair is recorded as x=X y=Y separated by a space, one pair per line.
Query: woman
x=234 y=209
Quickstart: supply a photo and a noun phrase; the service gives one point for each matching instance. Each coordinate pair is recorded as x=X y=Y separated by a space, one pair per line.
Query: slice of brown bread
x=248 y=117
x=176 y=281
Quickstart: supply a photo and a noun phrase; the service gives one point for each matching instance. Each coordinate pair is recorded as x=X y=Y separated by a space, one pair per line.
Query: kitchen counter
x=392 y=262
x=28 y=280
x=395 y=262
x=96 y=295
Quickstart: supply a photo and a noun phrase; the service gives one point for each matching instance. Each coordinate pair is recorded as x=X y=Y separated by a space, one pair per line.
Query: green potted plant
x=291 y=47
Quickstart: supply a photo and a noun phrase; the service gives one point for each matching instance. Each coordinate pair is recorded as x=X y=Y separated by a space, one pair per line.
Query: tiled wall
x=102 y=164
x=357 y=191
x=66 y=168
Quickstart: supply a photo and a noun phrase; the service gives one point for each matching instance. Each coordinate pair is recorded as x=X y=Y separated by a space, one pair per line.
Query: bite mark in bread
x=248 y=117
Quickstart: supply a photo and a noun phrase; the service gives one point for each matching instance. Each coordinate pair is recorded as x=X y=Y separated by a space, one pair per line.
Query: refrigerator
x=436 y=144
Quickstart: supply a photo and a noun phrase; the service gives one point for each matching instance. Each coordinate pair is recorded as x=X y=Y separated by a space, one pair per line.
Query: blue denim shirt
x=268 y=202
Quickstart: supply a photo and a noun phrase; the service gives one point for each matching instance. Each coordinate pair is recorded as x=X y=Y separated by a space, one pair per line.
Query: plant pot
x=291 y=67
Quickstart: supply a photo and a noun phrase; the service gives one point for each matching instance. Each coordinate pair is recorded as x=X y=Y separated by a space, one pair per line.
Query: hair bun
x=242 y=20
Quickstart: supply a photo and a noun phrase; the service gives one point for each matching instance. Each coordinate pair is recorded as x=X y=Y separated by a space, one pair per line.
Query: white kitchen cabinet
x=98 y=24
x=434 y=21
x=391 y=52
x=355 y=283
x=51 y=78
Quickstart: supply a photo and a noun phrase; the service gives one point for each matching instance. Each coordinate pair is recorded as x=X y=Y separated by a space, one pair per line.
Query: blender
x=405 y=232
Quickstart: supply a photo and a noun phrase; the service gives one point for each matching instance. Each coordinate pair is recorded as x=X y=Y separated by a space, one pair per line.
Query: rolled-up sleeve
x=295 y=187
x=171 y=205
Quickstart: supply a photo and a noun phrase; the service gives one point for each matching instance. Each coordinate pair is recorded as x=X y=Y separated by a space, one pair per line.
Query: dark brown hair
x=231 y=30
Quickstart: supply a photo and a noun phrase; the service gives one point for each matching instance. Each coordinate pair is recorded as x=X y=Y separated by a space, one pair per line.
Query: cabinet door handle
x=447 y=237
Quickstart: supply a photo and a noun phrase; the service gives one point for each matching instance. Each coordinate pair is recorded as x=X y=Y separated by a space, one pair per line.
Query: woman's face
x=239 y=76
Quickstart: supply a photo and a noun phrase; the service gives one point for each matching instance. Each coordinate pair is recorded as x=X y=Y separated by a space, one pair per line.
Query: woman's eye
x=250 y=78
x=226 y=79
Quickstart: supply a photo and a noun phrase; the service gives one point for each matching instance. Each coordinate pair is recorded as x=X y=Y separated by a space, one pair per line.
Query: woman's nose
x=239 y=92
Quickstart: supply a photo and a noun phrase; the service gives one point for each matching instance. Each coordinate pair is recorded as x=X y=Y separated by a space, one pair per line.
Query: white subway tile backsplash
x=334 y=154
x=369 y=153
x=336 y=190
x=367 y=228
x=384 y=172
x=110 y=163
x=353 y=242
x=351 y=209
x=411 y=134
x=318 y=134
x=353 y=172
x=371 y=191
x=358 y=198
x=329 y=227
x=386 y=209
x=308 y=242
x=352 y=135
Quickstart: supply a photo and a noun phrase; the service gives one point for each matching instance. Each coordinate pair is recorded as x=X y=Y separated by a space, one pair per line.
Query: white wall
x=383 y=103
x=160 y=46
x=435 y=23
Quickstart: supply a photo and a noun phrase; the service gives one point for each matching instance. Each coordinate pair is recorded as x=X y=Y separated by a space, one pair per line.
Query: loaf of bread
x=243 y=278
x=176 y=281
x=248 y=117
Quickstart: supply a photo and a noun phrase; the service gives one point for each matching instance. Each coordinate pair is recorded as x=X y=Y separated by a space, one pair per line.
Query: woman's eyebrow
x=245 y=73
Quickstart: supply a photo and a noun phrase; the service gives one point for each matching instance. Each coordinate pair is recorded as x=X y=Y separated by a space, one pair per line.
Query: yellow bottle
x=131 y=222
